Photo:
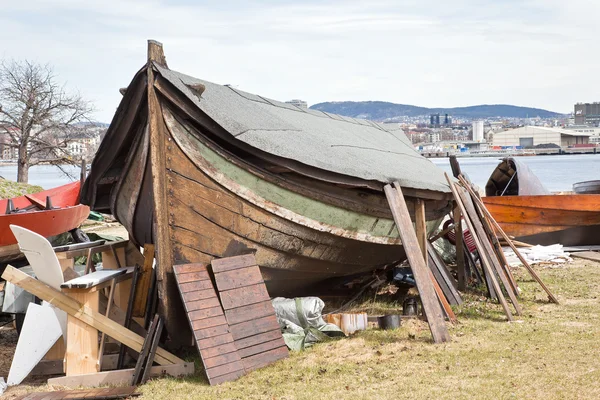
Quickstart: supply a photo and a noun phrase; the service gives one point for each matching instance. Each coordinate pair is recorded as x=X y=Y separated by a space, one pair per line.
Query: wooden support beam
x=484 y=260
x=531 y=271
x=431 y=306
x=421 y=227
x=141 y=293
x=84 y=313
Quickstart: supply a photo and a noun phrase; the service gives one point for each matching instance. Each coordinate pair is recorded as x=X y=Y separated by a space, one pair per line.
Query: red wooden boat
x=526 y=210
x=30 y=212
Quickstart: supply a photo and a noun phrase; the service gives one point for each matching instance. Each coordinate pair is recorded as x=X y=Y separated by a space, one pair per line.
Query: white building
x=478 y=131
x=528 y=136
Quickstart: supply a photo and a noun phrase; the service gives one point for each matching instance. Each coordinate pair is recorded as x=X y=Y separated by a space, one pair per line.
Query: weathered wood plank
x=429 y=300
x=215 y=341
x=264 y=359
x=247 y=295
x=232 y=263
x=143 y=284
x=208 y=322
x=120 y=377
x=205 y=313
x=257 y=339
x=202 y=304
x=206 y=333
x=460 y=254
x=249 y=312
x=251 y=328
x=221 y=349
x=193 y=276
x=262 y=347
x=189 y=268
x=224 y=369
x=238 y=278
x=198 y=295
x=221 y=359
x=195 y=286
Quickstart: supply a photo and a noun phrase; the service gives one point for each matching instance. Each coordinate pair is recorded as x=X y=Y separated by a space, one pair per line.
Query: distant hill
x=381 y=110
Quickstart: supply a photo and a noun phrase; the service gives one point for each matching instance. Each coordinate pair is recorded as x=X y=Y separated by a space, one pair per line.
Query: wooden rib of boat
x=203 y=171
x=529 y=213
x=29 y=212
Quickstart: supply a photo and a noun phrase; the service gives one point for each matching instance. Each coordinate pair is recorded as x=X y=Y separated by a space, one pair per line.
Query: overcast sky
x=540 y=53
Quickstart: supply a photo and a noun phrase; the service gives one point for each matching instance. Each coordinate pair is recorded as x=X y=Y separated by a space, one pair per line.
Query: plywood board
x=587 y=255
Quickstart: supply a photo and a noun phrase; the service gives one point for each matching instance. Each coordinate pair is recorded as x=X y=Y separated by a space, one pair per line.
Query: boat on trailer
x=525 y=209
x=49 y=213
x=204 y=170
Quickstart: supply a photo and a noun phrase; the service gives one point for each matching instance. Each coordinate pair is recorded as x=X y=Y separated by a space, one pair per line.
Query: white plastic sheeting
x=549 y=254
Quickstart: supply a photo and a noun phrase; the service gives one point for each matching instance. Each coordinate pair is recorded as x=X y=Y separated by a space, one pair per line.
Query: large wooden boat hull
x=66 y=215
x=175 y=178
x=548 y=219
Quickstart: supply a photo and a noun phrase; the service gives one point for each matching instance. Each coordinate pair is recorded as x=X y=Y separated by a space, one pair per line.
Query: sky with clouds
x=536 y=53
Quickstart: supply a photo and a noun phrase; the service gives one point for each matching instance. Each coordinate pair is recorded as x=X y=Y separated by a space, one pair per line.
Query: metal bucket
x=389 y=321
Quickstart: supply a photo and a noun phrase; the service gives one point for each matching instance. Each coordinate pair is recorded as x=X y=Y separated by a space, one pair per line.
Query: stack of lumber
x=486 y=233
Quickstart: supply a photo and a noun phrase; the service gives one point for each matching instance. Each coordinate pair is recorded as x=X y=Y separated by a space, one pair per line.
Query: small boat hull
x=587 y=187
x=66 y=215
x=548 y=219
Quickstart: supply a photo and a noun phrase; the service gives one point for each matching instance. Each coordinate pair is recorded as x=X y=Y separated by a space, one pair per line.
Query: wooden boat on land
x=533 y=216
x=204 y=170
x=30 y=212
x=587 y=187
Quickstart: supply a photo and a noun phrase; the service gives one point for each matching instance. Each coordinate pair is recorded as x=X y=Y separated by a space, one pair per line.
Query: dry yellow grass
x=553 y=352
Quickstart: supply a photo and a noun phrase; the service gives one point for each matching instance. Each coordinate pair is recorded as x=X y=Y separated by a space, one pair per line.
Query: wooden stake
x=431 y=306
x=531 y=271
x=484 y=260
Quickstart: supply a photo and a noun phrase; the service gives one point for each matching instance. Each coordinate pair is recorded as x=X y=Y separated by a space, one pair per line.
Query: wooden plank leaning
x=484 y=260
x=489 y=252
x=431 y=306
x=85 y=314
x=531 y=271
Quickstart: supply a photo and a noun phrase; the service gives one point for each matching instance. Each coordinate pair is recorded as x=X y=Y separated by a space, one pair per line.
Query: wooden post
x=431 y=305
x=421 y=227
x=82 y=339
x=460 y=254
x=141 y=294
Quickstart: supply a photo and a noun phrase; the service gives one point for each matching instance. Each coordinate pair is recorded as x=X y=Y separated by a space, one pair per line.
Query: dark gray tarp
x=347 y=146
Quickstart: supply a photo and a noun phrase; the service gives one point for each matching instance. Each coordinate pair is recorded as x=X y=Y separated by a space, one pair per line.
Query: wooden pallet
x=249 y=312
x=214 y=341
x=236 y=331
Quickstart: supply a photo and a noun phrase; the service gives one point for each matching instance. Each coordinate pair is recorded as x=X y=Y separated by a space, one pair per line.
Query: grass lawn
x=551 y=352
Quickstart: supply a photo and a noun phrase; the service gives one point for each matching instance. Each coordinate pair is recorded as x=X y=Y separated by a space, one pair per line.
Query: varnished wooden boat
x=528 y=212
x=29 y=212
x=203 y=170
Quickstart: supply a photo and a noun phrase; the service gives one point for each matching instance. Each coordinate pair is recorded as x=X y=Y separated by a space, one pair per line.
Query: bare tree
x=38 y=115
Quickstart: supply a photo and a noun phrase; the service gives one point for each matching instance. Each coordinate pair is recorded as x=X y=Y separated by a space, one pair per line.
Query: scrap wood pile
x=437 y=288
x=91 y=328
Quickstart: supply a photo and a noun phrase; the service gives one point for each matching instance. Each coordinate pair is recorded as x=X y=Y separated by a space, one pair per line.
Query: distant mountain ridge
x=382 y=110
